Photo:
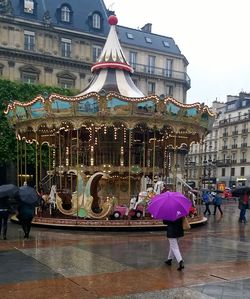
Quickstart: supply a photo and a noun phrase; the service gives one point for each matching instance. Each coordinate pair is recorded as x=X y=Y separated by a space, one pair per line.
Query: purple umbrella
x=169 y=206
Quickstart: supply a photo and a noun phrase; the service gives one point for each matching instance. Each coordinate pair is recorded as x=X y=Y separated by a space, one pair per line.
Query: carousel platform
x=106 y=224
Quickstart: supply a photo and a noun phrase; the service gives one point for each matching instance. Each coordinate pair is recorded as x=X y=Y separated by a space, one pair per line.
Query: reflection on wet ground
x=66 y=263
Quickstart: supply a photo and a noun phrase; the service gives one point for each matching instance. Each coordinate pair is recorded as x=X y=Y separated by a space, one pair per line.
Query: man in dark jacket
x=4 y=215
x=25 y=215
x=174 y=231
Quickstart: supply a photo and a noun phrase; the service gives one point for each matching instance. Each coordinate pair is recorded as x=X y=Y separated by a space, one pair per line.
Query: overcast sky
x=214 y=36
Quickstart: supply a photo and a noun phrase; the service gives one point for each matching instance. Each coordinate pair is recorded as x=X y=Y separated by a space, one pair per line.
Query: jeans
x=243 y=214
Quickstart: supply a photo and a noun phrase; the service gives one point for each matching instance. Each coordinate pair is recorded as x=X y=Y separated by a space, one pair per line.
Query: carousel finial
x=113 y=20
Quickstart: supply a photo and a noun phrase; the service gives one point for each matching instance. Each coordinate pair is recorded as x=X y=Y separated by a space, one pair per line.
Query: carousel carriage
x=103 y=141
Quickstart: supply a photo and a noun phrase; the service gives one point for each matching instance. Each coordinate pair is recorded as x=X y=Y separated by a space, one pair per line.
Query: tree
x=23 y=92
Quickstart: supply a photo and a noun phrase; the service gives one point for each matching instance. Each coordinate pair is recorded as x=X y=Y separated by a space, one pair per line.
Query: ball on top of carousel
x=113 y=20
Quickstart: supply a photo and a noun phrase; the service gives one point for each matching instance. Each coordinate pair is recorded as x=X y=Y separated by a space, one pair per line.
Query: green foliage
x=23 y=92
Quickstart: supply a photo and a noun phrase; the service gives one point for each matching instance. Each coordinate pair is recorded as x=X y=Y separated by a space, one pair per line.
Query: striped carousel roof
x=112 y=72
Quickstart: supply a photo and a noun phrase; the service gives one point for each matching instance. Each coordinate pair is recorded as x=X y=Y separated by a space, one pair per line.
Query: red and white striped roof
x=112 y=72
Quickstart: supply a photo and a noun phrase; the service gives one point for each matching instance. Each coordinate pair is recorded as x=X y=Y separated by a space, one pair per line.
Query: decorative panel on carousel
x=88 y=106
x=145 y=108
x=119 y=107
x=61 y=107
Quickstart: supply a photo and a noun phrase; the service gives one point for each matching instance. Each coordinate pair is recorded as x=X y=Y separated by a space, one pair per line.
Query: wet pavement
x=57 y=263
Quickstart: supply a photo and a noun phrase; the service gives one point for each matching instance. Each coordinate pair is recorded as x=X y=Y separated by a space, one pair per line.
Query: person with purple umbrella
x=174 y=232
x=172 y=208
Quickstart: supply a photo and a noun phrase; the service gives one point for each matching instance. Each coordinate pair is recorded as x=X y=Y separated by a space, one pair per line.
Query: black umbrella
x=240 y=190
x=8 y=190
x=28 y=195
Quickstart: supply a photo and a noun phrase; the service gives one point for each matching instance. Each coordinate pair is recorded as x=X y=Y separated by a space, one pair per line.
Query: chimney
x=147 y=27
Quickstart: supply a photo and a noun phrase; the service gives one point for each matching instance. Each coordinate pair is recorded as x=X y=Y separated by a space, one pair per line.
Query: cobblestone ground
x=55 y=263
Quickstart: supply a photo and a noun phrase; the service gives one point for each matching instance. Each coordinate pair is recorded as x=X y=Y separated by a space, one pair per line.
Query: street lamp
x=207 y=170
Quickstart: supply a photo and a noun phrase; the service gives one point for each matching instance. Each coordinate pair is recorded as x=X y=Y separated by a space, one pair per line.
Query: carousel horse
x=159 y=187
x=52 y=196
x=142 y=200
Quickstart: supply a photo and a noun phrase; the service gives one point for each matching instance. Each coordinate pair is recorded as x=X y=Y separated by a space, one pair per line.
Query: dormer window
x=96 y=21
x=65 y=14
x=166 y=44
x=130 y=35
x=148 y=40
x=29 y=6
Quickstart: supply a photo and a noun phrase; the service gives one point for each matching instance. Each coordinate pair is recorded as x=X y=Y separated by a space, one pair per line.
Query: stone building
x=224 y=156
x=56 y=42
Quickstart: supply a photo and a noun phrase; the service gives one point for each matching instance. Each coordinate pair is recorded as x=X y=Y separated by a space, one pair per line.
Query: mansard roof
x=81 y=13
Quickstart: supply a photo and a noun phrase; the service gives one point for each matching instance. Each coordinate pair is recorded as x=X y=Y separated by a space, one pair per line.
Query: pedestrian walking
x=174 y=232
x=25 y=216
x=217 y=203
x=206 y=197
x=243 y=206
x=5 y=209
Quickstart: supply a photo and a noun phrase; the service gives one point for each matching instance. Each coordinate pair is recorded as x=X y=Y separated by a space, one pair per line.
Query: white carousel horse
x=159 y=186
x=52 y=197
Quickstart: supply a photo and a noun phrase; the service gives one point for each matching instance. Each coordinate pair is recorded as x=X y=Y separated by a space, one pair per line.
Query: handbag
x=185 y=224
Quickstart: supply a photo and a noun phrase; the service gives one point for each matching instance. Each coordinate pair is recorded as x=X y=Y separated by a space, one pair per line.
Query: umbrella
x=28 y=195
x=8 y=190
x=240 y=190
x=169 y=206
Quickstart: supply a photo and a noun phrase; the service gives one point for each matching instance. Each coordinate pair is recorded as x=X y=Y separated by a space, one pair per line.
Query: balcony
x=243 y=145
x=243 y=160
x=225 y=134
x=244 y=131
x=224 y=163
x=234 y=145
x=224 y=147
x=235 y=133
x=162 y=72
x=237 y=119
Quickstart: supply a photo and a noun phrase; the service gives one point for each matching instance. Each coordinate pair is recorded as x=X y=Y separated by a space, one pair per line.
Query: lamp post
x=207 y=170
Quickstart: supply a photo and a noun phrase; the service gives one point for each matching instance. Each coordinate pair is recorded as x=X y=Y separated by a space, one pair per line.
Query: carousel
x=101 y=155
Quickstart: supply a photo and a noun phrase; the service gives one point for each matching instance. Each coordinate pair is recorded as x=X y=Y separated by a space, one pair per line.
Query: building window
x=242 y=171
x=232 y=172
x=96 y=52
x=223 y=172
x=169 y=90
x=65 y=14
x=29 y=78
x=66 y=83
x=66 y=80
x=29 y=40
x=132 y=59
x=151 y=87
x=96 y=21
x=166 y=44
x=169 y=67
x=1 y=69
x=28 y=6
x=65 y=47
x=151 y=64
x=148 y=40
x=130 y=35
